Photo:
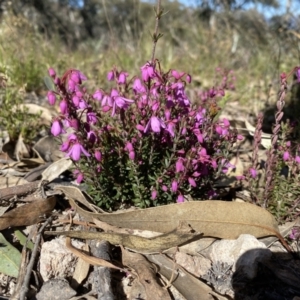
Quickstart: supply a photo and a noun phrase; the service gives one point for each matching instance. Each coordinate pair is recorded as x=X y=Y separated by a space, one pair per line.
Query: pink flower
x=110 y=75
x=286 y=156
x=192 y=182
x=174 y=186
x=132 y=155
x=63 y=105
x=76 y=150
x=147 y=71
x=77 y=76
x=98 y=155
x=79 y=176
x=122 y=78
x=155 y=123
x=51 y=97
x=129 y=147
x=153 y=194
x=98 y=95
x=180 y=198
x=91 y=117
x=253 y=172
x=56 y=128
x=188 y=78
x=140 y=127
x=138 y=87
x=52 y=72
x=179 y=165
x=164 y=188
x=297 y=159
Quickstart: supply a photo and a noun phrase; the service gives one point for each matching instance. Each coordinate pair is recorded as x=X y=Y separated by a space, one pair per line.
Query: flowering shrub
x=281 y=193
x=143 y=142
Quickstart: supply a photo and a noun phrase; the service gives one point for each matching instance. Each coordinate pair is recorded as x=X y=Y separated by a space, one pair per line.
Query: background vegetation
x=96 y=35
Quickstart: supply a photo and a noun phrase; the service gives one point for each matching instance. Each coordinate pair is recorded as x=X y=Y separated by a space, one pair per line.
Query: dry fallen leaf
x=46 y=115
x=27 y=214
x=81 y=270
x=56 y=169
x=221 y=219
x=136 y=243
x=145 y=275
x=21 y=150
x=6 y=182
x=190 y=287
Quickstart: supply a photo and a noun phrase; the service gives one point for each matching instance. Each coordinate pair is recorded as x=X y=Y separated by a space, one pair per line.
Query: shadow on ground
x=261 y=274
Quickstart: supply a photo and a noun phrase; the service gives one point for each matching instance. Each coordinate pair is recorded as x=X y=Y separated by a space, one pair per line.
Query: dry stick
x=155 y=35
x=18 y=190
x=24 y=288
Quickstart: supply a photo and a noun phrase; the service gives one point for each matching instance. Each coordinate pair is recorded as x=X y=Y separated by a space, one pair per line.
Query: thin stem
x=155 y=34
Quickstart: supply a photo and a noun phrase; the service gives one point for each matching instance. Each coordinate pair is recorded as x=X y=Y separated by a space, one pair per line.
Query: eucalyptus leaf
x=10 y=258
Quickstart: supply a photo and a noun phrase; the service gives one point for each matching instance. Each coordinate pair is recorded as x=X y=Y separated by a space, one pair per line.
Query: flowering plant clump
x=281 y=193
x=143 y=142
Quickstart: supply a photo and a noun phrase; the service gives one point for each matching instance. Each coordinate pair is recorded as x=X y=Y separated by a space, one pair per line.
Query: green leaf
x=49 y=83
x=10 y=258
x=22 y=239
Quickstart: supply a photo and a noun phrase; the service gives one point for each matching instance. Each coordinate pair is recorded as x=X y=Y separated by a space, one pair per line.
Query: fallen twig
x=24 y=288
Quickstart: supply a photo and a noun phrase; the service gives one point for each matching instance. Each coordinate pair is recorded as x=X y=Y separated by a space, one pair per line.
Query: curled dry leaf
x=27 y=214
x=74 y=192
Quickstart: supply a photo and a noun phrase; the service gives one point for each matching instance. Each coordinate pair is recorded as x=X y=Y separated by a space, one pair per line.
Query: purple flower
x=52 y=72
x=155 y=123
x=297 y=159
x=129 y=147
x=179 y=165
x=51 y=97
x=91 y=117
x=56 y=128
x=92 y=137
x=119 y=101
x=98 y=95
x=164 y=188
x=138 y=87
x=177 y=75
x=180 y=198
x=71 y=85
x=147 y=71
x=132 y=155
x=110 y=76
x=98 y=155
x=253 y=172
x=79 y=176
x=188 y=78
x=286 y=155
x=76 y=150
x=199 y=135
x=63 y=105
x=295 y=234
x=174 y=186
x=192 y=182
x=122 y=78
x=153 y=194
x=77 y=76
x=75 y=100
